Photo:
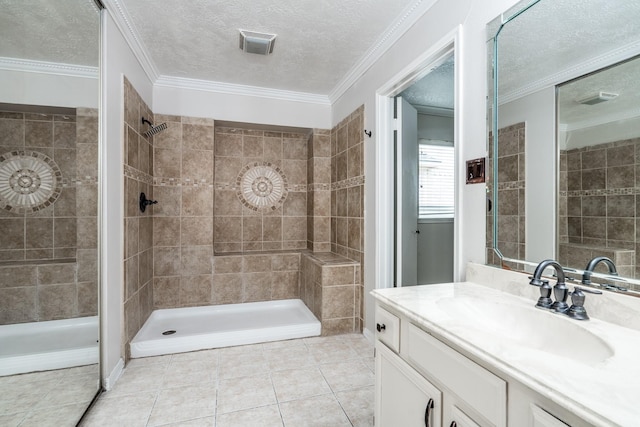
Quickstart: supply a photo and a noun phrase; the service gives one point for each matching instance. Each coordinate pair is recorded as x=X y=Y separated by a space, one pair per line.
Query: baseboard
x=110 y=381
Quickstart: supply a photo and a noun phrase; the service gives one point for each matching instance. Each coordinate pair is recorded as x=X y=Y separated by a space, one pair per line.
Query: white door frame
x=385 y=169
x=406 y=173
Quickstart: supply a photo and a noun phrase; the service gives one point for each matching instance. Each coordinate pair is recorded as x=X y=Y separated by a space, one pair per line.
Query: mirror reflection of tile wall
x=48 y=256
x=511 y=195
x=597 y=202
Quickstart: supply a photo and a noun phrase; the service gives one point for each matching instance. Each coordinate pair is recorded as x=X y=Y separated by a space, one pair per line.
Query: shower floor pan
x=199 y=328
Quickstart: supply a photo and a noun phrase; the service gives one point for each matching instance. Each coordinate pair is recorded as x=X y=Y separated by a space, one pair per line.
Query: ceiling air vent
x=260 y=43
x=597 y=98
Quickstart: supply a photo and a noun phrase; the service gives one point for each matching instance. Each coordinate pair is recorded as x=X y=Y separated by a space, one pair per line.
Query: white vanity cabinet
x=422 y=382
x=490 y=358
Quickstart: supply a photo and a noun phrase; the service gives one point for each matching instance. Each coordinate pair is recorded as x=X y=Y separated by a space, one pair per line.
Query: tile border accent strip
x=347 y=183
x=133 y=173
x=601 y=192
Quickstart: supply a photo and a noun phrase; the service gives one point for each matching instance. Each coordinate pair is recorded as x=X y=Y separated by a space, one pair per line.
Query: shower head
x=153 y=129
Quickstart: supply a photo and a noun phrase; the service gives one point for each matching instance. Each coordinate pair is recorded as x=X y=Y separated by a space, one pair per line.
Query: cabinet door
x=403 y=397
x=477 y=388
x=460 y=419
x=541 y=418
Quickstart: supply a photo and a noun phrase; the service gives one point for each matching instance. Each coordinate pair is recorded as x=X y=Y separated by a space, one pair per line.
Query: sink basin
x=527 y=327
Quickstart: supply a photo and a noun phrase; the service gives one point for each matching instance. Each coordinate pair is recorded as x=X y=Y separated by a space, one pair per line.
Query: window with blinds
x=436 y=181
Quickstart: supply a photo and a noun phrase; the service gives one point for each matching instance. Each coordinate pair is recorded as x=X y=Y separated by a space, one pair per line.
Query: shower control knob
x=380 y=327
x=144 y=202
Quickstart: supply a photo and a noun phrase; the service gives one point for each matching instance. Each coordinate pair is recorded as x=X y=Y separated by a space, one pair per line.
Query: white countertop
x=603 y=390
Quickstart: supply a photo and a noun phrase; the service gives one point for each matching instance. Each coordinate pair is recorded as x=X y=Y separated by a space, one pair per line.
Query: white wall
x=437 y=22
x=539 y=113
x=117 y=60
x=241 y=108
x=613 y=131
x=33 y=88
x=435 y=127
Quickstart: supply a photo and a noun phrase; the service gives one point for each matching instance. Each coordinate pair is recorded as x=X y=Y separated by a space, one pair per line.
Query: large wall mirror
x=49 y=249
x=564 y=144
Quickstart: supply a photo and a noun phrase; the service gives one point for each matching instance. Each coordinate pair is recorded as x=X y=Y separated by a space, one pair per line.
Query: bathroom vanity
x=472 y=354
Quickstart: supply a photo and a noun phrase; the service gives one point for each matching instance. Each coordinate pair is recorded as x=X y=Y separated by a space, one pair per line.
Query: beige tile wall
x=49 y=258
x=347 y=193
x=138 y=239
x=319 y=191
x=238 y=228
x=511 y=195
x=255 y=277
x=183 y=218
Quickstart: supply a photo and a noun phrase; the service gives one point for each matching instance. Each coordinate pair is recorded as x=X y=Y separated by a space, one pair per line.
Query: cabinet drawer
x=480 y=390
x=388 y=328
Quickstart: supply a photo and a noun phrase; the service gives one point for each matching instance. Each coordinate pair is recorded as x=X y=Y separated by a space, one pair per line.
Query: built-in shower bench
x=328 y=284
x=330 y=287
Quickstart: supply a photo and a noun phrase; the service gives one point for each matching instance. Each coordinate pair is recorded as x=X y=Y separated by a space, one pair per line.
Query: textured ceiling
x=436 y=89
x=60 y=31
x=557 y=35
x=318 y=41
x=556 y=40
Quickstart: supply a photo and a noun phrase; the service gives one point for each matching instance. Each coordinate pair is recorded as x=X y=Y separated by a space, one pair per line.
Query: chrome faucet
x=560 y=290
x=586 y=276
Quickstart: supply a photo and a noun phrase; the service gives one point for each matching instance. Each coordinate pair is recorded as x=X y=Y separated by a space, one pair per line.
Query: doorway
x=425 y=174
x=414 y=162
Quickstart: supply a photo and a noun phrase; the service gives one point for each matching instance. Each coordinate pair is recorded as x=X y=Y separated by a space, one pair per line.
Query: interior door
x=406 y=193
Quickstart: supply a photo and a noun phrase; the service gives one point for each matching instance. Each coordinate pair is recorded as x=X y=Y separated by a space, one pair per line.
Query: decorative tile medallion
x=29 y=181
x=262 y=186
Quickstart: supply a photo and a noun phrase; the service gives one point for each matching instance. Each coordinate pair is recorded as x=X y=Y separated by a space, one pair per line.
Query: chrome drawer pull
x=427 y=413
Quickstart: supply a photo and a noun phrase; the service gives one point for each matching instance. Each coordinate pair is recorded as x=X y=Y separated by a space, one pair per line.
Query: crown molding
x=123 y=21
x=434 y=111
x=60 y=69
x=237 y=89
x=602 y=120
x=392 y=34
x=622 y=53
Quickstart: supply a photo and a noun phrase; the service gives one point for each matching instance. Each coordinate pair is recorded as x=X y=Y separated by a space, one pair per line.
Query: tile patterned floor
x=49 y=398
x=321 y=381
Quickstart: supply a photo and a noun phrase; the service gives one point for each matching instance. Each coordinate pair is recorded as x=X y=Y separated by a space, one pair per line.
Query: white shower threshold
x=199 y=328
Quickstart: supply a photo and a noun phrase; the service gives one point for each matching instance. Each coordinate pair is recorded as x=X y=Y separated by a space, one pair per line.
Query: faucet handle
x=577 y=310
x=545 y=300
x=536 y=282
